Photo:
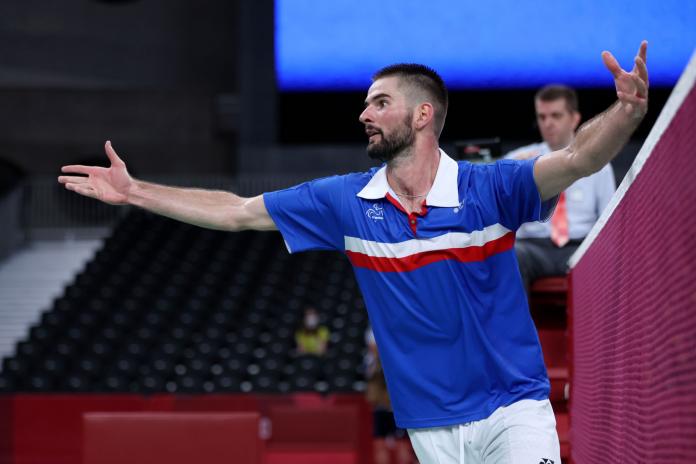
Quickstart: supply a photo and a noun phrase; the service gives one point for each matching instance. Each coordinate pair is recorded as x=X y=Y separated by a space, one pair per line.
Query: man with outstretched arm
x=431 y=242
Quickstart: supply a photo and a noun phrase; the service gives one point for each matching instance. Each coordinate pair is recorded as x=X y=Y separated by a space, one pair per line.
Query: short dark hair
x=423 y=78
x=554 y=92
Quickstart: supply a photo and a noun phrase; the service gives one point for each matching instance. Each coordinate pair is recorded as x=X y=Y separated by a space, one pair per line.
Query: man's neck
x=412 y=176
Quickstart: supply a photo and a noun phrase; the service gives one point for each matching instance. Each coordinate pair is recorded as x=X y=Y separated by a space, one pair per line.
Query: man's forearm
x=600 y=139
x=212 y=209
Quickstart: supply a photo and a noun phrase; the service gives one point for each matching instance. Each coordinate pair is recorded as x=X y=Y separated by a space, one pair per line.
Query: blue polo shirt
x=441 y=286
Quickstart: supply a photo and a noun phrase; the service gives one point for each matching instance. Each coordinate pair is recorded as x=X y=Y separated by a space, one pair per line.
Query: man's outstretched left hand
x=631 y=87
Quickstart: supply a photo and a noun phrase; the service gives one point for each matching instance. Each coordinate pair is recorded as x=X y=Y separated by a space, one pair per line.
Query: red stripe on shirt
x=418 y=260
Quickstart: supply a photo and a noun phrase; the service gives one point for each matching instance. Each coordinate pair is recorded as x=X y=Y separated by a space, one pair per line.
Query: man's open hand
x=631 y=87
x=110 y=185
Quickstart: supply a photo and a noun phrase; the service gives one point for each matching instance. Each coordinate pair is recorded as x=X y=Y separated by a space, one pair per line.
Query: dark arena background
x=129 y=337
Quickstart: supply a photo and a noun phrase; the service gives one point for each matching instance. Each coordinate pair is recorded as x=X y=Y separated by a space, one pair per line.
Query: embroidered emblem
x=376 y=213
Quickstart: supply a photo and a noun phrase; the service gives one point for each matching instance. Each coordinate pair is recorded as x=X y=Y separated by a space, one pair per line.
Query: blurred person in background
x=312 y=338
x=543 y=248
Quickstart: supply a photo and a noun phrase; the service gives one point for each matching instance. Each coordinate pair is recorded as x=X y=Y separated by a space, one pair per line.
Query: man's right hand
x=213 y=209
x=110 y=185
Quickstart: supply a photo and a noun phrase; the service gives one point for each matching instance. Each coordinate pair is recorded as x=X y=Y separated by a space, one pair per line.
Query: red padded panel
x=6 y=413
x=328 y=427
x=41 y=429
x=554 y=345
x=171 y=438
x=50 y=426
x=562 y=427
x=558 y=376
x=312 y=457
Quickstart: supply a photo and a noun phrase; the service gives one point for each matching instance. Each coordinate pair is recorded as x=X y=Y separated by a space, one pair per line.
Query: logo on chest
x=376 y=213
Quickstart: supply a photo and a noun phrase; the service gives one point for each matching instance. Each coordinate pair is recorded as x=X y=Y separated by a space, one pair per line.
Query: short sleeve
x=517 y=195
x=309 y=215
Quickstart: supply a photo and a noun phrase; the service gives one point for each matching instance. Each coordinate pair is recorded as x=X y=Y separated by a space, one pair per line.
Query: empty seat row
x=164 y=306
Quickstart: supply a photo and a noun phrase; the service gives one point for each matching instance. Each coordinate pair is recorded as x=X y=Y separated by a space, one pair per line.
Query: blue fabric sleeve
x=517 y=194
x=309 y=215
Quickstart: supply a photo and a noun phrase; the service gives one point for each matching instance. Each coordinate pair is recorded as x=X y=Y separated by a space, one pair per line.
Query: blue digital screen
x=338 y=44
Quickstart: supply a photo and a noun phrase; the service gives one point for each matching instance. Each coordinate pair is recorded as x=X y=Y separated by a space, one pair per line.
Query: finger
x=79 y=169
x=641 y=85
x=642 y=70
x=111 y=153
x=82 y=189
x=611 y=64
x=643 y=51
x=72 y=179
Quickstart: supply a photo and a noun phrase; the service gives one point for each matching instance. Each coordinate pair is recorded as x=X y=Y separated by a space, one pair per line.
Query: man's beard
x=391 y=146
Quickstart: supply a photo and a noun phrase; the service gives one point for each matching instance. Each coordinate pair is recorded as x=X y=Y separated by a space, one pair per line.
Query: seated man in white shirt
x=543 y=248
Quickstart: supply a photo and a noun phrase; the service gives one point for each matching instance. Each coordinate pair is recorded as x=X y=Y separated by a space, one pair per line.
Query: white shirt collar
x=444 y=192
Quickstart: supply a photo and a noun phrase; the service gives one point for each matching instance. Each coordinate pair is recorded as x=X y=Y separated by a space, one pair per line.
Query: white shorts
x=521 y=433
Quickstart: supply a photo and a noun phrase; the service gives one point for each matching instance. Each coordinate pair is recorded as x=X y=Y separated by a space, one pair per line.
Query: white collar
x=444 y=192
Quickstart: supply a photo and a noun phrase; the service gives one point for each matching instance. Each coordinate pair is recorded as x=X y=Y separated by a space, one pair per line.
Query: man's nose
x=365 y=116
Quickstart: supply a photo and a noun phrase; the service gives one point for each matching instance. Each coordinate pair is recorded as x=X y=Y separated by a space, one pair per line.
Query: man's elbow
x=239 y=218
x=583 y=166
x=230 y=219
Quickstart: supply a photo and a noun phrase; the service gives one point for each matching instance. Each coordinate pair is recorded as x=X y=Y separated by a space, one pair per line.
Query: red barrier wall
x=6 y=450
x=47 y=429
x=171 y=438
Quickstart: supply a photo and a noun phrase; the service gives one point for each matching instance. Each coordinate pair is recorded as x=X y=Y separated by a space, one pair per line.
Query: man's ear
x=423 y=116
x=577 y=117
